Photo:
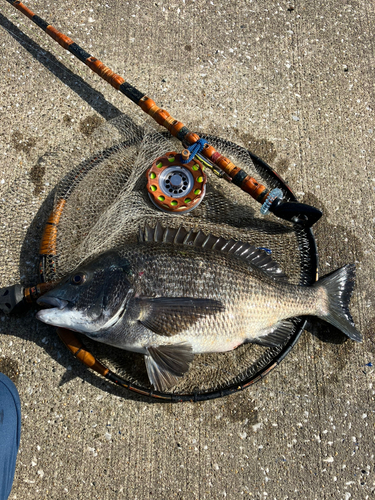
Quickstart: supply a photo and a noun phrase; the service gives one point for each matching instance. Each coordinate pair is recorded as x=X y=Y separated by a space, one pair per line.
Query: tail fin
x=339 y=286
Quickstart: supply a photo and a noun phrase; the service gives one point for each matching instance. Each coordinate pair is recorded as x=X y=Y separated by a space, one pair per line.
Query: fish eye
x=78 y=279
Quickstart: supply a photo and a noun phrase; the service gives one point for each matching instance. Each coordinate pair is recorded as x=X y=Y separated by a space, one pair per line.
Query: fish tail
x=339 y=287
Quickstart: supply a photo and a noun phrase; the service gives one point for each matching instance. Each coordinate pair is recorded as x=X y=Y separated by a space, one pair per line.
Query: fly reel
x=174 y=186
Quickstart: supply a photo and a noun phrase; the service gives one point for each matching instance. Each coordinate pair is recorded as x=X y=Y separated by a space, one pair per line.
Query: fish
x=177 y=292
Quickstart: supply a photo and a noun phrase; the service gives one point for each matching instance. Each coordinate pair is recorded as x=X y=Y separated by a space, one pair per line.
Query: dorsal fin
x=257 y=257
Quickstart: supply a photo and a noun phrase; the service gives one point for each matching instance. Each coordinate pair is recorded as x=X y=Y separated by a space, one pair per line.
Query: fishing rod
x=176 y=182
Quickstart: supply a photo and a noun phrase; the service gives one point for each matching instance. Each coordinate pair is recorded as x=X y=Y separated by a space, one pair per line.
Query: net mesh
x=107 y=203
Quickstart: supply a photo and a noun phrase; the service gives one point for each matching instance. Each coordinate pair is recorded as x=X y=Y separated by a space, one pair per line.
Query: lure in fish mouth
x=177 y=293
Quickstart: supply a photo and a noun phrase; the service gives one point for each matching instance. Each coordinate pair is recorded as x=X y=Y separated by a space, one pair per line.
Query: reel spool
x=174 y=186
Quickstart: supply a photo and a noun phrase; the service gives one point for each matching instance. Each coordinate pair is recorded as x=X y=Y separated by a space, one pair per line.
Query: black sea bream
x=178 y=293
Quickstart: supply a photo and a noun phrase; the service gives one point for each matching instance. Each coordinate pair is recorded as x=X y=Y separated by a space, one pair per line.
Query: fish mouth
x=52 y=302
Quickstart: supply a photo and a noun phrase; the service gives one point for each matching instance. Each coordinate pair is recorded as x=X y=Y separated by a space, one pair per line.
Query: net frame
x=271 y=356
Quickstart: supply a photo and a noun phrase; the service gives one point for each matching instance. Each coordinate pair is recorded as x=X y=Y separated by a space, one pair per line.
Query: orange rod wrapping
x=32 y=293
x=153 y=111
x=48 y=243
x=161 y=116
x=76 y=347
x=257 y=191
x=60 y=38
x=192 y=138
x=25 y=10
x=209 y=150
x=169 y=122
x=104 y=72
x=177 y=126
x=146 y=104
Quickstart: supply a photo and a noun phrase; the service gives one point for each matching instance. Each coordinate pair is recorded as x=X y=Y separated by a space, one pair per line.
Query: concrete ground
x=293 y=81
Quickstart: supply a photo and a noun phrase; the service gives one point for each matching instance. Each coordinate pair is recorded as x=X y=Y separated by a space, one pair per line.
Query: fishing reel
x=174 y=185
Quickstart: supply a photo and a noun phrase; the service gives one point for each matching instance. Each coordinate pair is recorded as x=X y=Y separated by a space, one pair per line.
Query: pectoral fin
x=166 y=364
x=171 y=315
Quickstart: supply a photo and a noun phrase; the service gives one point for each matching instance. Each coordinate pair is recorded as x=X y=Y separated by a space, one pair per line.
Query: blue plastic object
x=195 y=149
x=275 y=193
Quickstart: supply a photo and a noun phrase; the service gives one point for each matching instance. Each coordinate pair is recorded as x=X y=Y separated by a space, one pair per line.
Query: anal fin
x=166 y=364
x=278 y=334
